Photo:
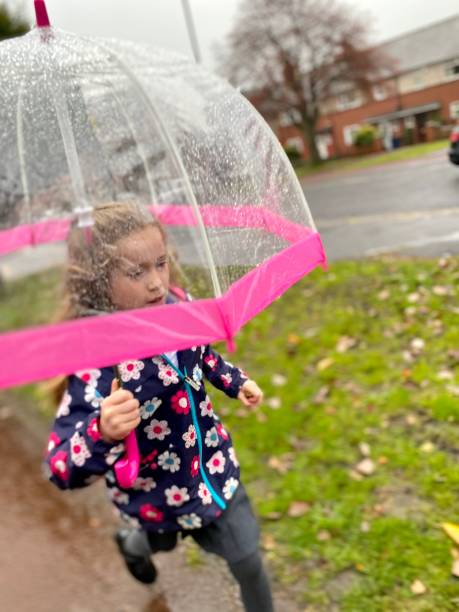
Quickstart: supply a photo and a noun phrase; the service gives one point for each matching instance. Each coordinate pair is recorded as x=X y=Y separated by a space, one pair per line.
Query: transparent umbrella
x=87 y=121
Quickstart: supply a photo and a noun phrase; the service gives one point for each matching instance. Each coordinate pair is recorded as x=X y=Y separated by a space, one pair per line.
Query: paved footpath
x=56 y=551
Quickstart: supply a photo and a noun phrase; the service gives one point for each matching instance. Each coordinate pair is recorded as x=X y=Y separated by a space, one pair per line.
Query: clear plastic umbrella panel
x=85 y=122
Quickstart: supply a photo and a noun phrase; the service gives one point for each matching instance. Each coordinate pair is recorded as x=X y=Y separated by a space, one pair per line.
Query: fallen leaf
x=269 y=543
x=355 y=475
x=441 y=290
x=274 y=403
x=366 y=467
x=278 y=380
x=428 y=447
x=281 y=464
x=417 y=345
x=365 y=449
x=445 y=375
x=321 y=395
x=293 y=339
x=324 y=536
x=412 y=420
x=453 y=389
x=273 y=516
x=345 y=343
x=364 y=526
x=413 y=297
x=383 y=295
x=418 y=588
x=323 y=364
x=383 y=460
x=452 y=530
x=298 y=508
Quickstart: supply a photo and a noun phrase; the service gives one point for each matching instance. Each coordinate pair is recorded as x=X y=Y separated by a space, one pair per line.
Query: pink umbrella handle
x=127 y=468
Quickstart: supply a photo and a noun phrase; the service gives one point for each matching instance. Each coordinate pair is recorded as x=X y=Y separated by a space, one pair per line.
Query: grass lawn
x=374 y=159
x=352 y=461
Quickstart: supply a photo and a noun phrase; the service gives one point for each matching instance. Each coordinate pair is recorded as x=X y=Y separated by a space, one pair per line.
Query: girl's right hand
x=119 y=414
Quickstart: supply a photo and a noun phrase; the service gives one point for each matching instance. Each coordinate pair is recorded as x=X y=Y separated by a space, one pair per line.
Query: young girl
x=189 y=481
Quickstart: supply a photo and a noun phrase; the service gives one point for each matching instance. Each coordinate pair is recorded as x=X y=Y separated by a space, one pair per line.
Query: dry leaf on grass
x=452 y=530
x=278 y=380
x=323 y=364
x=345 y=343
x=366 y=467
x=298 y=508
x=418 y=588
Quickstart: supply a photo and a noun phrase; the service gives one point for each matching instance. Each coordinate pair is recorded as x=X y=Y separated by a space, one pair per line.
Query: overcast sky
x=161 y=22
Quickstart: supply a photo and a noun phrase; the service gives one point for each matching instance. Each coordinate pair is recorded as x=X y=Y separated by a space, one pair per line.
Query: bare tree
x=291 y=55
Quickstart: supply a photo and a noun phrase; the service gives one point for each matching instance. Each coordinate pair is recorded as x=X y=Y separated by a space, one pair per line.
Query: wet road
x=56 y=551
x=408 y=207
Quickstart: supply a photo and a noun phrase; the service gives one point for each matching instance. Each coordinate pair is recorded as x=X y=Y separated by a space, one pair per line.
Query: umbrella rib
x=135 y=81
x=21 y=155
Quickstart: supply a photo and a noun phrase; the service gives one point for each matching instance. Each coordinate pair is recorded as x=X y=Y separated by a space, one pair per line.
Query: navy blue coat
x=188 y=471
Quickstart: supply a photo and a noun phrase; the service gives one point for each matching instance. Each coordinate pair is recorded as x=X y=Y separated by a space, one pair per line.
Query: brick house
x=415 y=104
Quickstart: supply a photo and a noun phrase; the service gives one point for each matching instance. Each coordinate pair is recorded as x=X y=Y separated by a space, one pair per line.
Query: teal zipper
x=188 y=384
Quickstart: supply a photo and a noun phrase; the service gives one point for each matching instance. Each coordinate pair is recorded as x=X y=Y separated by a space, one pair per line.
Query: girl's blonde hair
x=92 y=255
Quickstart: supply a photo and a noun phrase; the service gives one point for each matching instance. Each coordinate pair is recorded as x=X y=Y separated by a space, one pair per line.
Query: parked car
x=454 y=146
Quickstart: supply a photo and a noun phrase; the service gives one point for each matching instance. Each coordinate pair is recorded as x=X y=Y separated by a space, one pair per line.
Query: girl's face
x=141 y=277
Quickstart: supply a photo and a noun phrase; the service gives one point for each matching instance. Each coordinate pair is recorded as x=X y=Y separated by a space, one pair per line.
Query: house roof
x=431 y=44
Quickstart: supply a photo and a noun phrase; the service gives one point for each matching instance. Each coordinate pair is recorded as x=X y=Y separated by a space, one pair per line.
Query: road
x=407 y=207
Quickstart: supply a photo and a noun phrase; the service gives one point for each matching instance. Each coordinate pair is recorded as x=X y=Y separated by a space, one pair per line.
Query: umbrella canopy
x=85 y=121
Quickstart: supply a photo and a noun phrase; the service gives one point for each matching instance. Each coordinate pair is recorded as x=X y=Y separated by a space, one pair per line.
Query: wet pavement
x=56 y=551
x=409 y=207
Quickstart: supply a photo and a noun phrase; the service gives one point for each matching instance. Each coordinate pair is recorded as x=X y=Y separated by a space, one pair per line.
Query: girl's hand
x=119 y=414
x=250 y=394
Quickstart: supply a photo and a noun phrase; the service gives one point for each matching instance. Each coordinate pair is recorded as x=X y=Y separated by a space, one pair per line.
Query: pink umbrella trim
x=55 y=230
x=42 y=352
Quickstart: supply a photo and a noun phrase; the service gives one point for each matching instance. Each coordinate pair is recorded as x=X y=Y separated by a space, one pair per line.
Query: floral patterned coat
x=188 y=469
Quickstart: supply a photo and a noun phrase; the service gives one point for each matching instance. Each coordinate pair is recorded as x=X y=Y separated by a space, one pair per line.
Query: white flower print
x=197 y=374
x=206 y=407
x=130 y=369
x=227 y=379
x=92 y=396
x=169 y=461
x=204 y=494
x=157 y=430
x=212 y=437
x=232 y=456
x=64 y=406
x=144 y=484
x=189 y=521
x=216 y=463
x=79 y=425
x=148 y=409
x=190 y=436
x=230 y=487
x=89 y=377
x=165 y=372
x=78 y=449
x=176 y=496
x=114 y=453
x=117 y=496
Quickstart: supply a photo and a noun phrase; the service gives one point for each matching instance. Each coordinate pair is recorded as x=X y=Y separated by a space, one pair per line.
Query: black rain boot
x=135 y=550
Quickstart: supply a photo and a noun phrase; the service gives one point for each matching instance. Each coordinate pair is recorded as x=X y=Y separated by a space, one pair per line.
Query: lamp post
x=191 y=31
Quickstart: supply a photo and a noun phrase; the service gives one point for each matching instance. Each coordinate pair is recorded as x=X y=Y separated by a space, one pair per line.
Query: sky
x=161 y=22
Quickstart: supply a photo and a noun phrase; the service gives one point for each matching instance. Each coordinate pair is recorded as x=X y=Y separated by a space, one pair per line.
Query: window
x=454 y=109
x=452 y=69
x=349 y=132
x=296 y=143
x=348 y=100
x=379 y=92
x=291 y=118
